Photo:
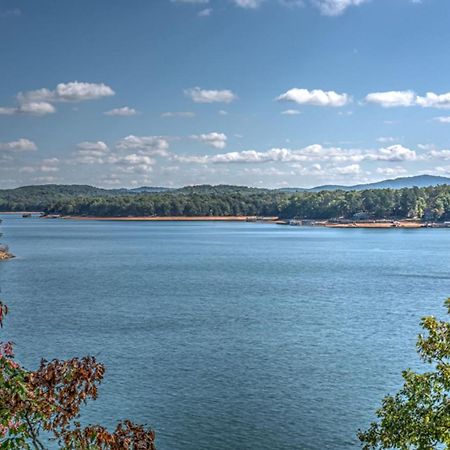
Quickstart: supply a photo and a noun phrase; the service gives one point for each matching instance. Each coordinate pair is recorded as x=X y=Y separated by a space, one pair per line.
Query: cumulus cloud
x=149 y=145
x=395 y=153
x=216 y=140
x=40 y=101
x=432 y=100
x=30 y=108
x=336 y=7
x=439 y=154
x=392 y=99
x=316 y=97
x=352 y=169
x=133 y=163
x=199 y=95
x=312 y=153
x=21 y=145
x=92 y=152
x=124 y=111
x=73 y=91
x=49 y=165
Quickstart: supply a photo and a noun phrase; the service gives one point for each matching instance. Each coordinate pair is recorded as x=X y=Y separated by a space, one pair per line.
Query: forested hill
x=396 y=183
x=430 y=203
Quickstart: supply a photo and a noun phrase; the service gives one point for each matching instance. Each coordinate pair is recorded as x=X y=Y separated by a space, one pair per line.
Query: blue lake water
x=227 y=335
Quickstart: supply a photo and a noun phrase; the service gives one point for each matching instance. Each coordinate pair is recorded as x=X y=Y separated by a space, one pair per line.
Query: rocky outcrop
x=4 y=255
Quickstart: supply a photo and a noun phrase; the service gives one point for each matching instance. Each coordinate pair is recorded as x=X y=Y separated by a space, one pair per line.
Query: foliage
x=418 y=415
x=49 y=400
x=430 y=203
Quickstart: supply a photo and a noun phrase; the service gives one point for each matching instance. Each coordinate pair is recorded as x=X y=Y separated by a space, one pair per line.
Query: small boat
x=26 y=215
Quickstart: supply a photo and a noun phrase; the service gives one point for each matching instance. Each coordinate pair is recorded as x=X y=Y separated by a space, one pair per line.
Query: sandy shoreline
x=400 y=224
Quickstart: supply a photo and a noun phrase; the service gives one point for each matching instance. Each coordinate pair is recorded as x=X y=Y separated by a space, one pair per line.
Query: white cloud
x=442 y=119
x=432 y=100
x=45 y=179
x=386 y=139
x=392 y=99
x=353 y=169
x=149 y=145
x=311 y=153
x=391 y=171
x=27 y=169
x=185 y=114
x=336 y=7
x=248 y=4
x=439 y=154
x=316 y=97
x=124 y=111
x=31 y=108
x=73 y=91
x=291 y=112
x=40 y=101
x=36 y=108
x=7 y=111
x=49 y=165
x=133 y=163
x=91 y=152
x=21 y=145
x=205 y=12
x=99 y=147
x=395 y=153
x=199 y=95
x=216 y=140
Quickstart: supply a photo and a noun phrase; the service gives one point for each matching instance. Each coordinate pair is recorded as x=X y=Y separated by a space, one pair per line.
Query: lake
x=227 y=335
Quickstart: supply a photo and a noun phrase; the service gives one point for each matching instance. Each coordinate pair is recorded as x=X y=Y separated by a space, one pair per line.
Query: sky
x=265 y=93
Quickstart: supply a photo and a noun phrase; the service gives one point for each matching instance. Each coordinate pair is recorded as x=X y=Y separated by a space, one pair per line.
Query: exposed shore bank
x=408 y=223
x=400 y=224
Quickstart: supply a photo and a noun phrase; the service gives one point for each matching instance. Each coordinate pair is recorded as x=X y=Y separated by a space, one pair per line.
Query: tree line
x=430 y=203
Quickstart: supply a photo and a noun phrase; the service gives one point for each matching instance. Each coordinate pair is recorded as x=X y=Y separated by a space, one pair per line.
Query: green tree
x=418 y=415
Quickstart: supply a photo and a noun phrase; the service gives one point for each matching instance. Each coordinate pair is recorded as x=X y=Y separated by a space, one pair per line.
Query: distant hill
x=219 y=189
x=397 y=183
x=41 y=193
x=146 y=189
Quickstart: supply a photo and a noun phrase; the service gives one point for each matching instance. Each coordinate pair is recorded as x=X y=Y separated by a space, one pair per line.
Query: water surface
x=227 y=335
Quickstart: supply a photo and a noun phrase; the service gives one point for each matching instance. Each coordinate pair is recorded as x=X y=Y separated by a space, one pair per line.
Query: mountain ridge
x=88 y=190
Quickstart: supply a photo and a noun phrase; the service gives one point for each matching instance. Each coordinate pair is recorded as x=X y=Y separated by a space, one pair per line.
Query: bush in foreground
x=418 y=415
x=49 y=400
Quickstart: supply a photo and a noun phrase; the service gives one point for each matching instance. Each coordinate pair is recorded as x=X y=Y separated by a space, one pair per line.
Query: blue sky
x=266 y=93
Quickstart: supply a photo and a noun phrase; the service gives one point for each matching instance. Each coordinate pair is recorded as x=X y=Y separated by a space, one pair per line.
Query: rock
x=4 y=255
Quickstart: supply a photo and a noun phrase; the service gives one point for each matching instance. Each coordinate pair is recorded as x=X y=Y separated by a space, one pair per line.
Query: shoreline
x=173 y=218
x=384 y=225
x=402 y=224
